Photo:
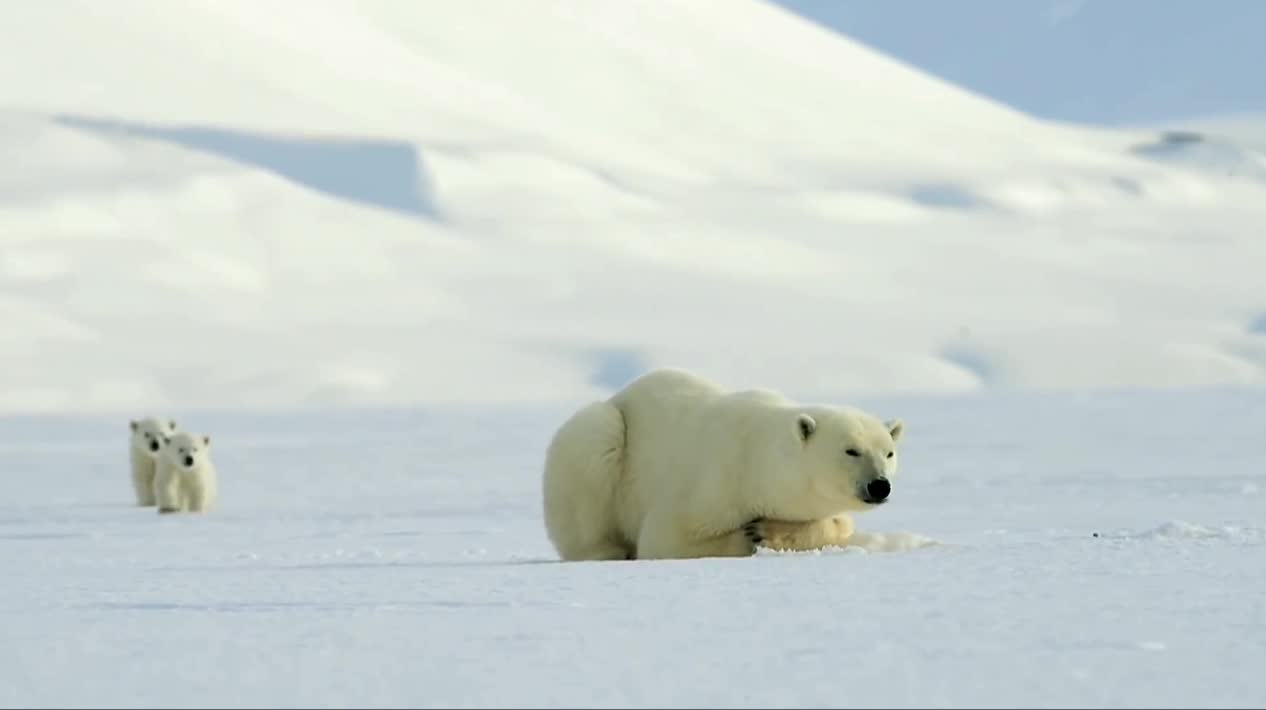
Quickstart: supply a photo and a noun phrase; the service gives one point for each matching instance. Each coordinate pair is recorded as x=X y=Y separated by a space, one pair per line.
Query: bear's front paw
x=754 y=531
x=165 y=510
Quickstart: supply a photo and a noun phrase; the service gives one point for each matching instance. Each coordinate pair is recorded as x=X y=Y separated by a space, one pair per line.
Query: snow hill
x=226 y=205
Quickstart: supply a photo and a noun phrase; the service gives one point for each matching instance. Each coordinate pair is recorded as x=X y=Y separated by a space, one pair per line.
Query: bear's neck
x=773 y=491
x=781 y=491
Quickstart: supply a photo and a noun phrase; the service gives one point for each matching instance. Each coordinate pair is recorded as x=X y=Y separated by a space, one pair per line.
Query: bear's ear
x=206 y=440
x=171 y=424
x=896 y=428
x=806 y=425
x=133 y=424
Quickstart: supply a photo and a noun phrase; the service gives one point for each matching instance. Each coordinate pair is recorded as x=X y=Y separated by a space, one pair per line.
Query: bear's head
x=851 y=455
x=148 y=434
x=187 y=451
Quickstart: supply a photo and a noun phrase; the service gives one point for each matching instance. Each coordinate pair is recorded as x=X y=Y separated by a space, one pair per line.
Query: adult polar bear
x=673 y=466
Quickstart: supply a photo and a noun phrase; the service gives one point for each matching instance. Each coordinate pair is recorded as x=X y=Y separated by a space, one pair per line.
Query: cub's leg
x=143 y=477
x=196 y=498
x=167 y=490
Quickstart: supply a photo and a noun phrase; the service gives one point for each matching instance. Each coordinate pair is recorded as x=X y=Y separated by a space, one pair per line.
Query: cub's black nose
x=878 y=490
x=153 y=446
x=189 y=462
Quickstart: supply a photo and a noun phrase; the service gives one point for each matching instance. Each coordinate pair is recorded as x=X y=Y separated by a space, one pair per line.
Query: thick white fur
x=145 y=439
x=672 y=466
x=185 y=481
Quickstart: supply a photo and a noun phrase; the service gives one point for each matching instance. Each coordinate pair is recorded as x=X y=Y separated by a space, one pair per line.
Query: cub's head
x=852 y=455
x=148 y=433
x=187 y=451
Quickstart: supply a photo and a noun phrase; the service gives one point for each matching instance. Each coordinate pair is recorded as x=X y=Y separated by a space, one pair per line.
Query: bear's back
x=670 y=397
x=680 y=424
x=667 y=384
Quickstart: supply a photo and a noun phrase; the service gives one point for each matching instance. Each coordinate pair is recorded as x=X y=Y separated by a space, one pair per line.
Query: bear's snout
x=153 y=446
x=877 y=490
x=189 y=461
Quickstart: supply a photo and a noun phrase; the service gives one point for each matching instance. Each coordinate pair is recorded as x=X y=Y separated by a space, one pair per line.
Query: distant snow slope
x=1098 y=61
x=211 y=204
x=397 y=559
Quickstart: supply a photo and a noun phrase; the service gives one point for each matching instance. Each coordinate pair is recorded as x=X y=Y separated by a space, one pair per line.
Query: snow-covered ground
x=397 y=558
x=378 y=249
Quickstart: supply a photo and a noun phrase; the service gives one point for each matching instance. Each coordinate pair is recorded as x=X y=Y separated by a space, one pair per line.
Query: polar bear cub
x=185 y=480
x=673 y=466
x=146 y=439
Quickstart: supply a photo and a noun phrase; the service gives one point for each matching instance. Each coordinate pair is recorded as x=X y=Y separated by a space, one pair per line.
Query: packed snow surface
x=1038 y=551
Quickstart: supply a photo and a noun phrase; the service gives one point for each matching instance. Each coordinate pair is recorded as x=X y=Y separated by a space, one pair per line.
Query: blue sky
x=1095 y=61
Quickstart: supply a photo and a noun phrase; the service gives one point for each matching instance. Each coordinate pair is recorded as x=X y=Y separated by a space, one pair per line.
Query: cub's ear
x=133 y=424
x=166 y=440
x=806 y=425
x=896 y=428
x=206 y=440
x=171 y=424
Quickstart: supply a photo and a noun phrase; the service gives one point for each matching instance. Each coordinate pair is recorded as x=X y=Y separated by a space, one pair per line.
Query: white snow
x=722 y=186
x=379 y=249
x=396 y=558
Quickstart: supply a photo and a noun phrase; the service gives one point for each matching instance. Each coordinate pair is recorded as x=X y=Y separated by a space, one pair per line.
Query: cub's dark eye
x=889 y=454
x=853 y=452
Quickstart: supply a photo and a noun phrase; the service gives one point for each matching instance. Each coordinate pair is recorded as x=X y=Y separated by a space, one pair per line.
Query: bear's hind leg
x=594 y=548
x=583 y=469
x=800 y=536
x=600 y=551
x=585 y=534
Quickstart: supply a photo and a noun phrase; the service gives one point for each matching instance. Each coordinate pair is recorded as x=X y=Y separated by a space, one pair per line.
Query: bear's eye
x=853 y=452
x=889 y=454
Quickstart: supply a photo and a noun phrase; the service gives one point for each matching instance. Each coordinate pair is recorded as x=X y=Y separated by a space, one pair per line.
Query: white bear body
x=673 y=466
x=145 y=440
x=185 y=480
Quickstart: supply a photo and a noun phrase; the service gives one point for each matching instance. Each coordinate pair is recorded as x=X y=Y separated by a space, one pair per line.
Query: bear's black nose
x=189 y=462
x=878 y=490
x=153 y=446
